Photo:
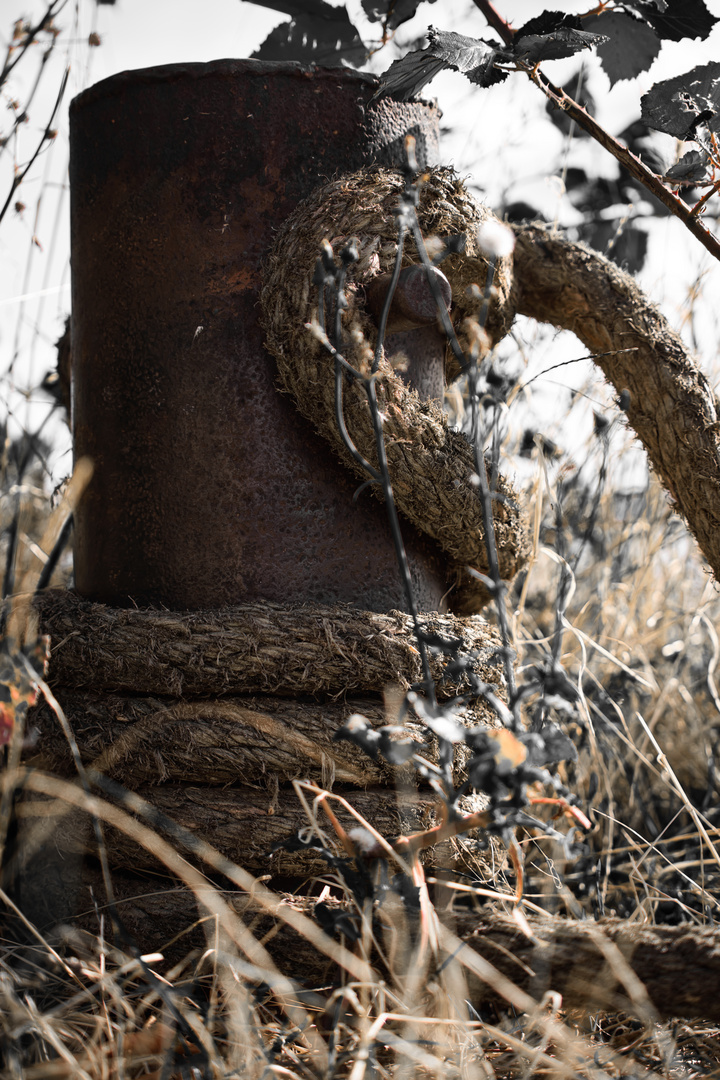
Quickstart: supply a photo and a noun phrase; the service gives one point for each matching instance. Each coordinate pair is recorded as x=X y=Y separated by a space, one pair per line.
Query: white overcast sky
x=498 y=140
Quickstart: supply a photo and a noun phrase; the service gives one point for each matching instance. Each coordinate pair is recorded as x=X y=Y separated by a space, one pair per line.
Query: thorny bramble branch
x=652 y=183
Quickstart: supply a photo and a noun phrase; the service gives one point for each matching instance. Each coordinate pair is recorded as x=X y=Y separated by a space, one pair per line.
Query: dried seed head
x=495 y=240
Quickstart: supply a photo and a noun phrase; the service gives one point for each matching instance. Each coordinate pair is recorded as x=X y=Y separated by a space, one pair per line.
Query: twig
x=495 y=20
x=52 y=10
x=18 y=179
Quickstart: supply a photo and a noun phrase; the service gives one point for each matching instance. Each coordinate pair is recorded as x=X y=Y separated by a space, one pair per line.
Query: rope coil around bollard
x=212 y=715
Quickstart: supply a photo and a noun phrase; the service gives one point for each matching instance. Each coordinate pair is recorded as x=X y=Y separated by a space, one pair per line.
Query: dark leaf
x=486 y=74
x=591 y=194
x=303 y=9
x=650 y=146
x=548 y=22
x=554 y=681
x=475 y=58
x=678 y=105
x=682 y=19
x=631 y=47
x=521 y=211
x=533 y=48
x=552 y=36
x=406 y=77
x=460 y=52
x=691 y=168
x=318 y=33
x=396 y=12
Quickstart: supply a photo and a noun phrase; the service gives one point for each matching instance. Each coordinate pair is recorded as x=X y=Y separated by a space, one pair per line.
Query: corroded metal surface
x=414 y=341
x=209 y=487
x=413 y=303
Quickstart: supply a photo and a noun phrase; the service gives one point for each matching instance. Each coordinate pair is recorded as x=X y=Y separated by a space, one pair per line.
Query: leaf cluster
x=627 y=39
x=551 y=36
x=627 y=36
x=322 y=34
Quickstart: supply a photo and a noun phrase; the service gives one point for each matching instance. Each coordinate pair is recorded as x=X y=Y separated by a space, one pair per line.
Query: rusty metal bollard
x=209 y=488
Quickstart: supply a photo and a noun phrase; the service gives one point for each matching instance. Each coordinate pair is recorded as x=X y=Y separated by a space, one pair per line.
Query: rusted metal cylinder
x=209 y=488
